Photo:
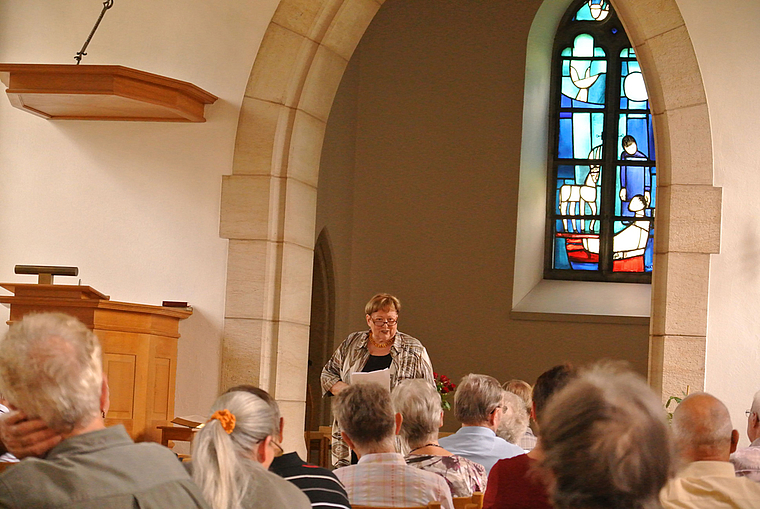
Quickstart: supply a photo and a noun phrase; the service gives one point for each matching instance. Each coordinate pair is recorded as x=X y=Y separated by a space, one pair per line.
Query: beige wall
x=726 y=38
x=425 y=133
x=135 y=205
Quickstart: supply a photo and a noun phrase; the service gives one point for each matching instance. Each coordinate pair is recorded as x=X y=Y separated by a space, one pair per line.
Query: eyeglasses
x=748 y=413
x=380 y=322
x=278 y=447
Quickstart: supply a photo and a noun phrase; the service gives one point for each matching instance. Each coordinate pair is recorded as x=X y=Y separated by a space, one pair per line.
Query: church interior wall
x=436 y=134
x=726 y=38
x=134 y=205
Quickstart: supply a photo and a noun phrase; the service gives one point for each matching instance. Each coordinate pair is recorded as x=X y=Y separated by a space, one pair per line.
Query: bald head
x=702 y=429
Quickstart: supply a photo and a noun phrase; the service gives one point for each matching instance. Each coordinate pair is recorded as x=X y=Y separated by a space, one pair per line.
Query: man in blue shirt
x=477 y=405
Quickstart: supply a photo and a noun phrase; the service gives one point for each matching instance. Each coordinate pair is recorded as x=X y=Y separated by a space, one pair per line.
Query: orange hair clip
x=225 y=418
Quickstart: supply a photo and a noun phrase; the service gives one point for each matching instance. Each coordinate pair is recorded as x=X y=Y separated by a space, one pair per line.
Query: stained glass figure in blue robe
x=634 y=180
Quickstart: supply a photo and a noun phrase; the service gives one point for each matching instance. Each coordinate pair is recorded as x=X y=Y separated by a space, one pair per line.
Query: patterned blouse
x=409 y=359
x=462 y=475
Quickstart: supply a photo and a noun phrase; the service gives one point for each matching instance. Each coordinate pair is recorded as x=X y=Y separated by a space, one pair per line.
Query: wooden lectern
x=139 y=349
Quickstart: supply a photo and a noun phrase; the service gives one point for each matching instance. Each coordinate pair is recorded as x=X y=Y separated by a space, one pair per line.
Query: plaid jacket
x=409 y=359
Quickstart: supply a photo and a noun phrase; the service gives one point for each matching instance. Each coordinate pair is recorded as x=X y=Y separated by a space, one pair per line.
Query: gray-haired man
x=51 y=370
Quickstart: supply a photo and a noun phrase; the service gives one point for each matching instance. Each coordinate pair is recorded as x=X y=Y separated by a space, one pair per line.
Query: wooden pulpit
x=139 y=349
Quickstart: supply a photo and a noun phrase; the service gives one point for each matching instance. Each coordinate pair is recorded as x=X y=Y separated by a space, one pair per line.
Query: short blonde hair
x=382 y=301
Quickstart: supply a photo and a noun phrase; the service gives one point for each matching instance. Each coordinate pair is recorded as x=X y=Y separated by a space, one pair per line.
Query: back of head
x=265 y=396
x=702 y=428
x=606 y=442
x=514 y=420
x=420 y=405
x=522 y=389
x=223 y=450
x=51 y=368
x=549 y=383
x=365 y=414
x=476 y=398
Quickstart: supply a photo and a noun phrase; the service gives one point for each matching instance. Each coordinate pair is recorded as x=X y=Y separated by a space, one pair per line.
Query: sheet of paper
x=382 y=377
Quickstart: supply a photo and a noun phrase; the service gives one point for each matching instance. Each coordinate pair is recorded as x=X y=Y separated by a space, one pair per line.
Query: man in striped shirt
x=381 y=477
x=319 y=484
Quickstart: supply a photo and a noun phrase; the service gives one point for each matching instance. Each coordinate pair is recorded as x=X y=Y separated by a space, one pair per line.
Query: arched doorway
x=268 y=203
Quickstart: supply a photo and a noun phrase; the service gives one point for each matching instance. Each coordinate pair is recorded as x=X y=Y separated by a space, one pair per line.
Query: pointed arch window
x=602 y=188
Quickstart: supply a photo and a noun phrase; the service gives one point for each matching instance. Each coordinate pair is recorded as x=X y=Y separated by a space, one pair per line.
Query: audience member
x=232 y=452
x=515 y=483
x=605 y=442
x=381 y=477
x=705 y=440
x=747 y=461
x=317 y=483
x=477 y=405
x=420 y=406
x=5 y=455
x=525 y=392
x=514 y=420
x=51 y=370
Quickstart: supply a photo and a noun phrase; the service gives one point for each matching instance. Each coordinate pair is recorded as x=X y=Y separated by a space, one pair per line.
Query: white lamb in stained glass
x=574 y=195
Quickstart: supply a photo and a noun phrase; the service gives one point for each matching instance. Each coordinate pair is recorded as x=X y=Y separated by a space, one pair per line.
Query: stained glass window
x=602 y=192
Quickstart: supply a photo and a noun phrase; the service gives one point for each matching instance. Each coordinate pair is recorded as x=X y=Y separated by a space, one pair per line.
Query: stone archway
x=269 y=202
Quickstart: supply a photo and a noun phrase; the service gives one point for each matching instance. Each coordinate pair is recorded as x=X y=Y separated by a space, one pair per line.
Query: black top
x=377 y=362
x=319 y=484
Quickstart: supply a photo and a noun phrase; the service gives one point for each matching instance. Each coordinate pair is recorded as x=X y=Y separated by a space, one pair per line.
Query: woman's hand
x=338 y=387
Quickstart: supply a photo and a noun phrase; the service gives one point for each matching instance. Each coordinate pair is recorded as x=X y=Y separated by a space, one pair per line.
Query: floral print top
x=462 y=475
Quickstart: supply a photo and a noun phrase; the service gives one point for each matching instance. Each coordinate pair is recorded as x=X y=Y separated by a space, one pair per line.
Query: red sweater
x=513 y=484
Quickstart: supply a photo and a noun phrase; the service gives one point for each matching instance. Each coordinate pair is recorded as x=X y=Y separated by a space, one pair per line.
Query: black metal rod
x=106 y=5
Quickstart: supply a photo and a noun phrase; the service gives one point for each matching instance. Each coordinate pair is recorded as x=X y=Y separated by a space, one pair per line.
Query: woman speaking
x=380 y=347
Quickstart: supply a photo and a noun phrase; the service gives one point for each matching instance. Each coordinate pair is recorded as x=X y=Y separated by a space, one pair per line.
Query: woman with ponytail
x=231 y=455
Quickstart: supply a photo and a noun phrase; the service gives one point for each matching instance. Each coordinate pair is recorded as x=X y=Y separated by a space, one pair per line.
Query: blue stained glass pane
x=624 y=53
x=565 y=171
x=567 y=52
x=593 y=10
x=565 y=101
x=635 y=191
x=632 y=246
x=639 y=126
x=581 y=134
x=560 y=255
x=585 y=82
x=565 y=114
x=565 y=149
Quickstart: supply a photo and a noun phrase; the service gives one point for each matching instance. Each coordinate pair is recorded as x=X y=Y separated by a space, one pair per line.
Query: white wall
x=135 y=205
x=726 y=36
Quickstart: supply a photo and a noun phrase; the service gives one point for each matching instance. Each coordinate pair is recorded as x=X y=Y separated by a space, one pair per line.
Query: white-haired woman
x=420 y=406
x=231 y=455
x=514 y=420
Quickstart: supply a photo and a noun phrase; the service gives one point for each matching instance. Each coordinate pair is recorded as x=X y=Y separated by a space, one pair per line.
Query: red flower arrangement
x=444 y=387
